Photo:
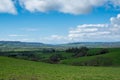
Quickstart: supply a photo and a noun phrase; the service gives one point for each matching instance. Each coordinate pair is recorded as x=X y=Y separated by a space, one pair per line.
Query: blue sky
x=60 y=21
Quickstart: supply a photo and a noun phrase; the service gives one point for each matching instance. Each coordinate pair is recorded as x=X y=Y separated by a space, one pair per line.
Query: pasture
x=17 y=69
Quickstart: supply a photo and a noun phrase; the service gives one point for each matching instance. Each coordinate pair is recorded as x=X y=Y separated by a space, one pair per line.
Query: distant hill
x=18 y=44
x=93 y=44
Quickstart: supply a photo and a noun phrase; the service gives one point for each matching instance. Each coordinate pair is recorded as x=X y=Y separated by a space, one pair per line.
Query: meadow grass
x=16 y=69
x=113 y=55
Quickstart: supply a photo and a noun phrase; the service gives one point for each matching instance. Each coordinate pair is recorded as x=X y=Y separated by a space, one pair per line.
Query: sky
x=60 y=21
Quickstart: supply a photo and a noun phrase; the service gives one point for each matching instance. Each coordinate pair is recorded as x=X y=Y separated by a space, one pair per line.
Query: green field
x=113 y=56
x=16 y=69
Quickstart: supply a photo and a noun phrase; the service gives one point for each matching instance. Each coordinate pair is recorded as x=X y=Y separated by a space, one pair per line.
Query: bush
x=49 y=50
x=103 y=51
x=81 y=52
x=78 y=52
x=56 y=58
x=12 y=55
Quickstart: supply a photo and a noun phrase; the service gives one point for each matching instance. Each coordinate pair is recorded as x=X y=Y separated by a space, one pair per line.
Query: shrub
x=81 y=52
x=103 y=51
x=56 y=58
x=12 y=55
x=49 y=50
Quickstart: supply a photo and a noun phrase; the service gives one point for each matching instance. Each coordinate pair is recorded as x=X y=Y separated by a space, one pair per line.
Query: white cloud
x=7 y=6
x=64 y=6
x=54 y=39
x=97 y=32
x=90 y=33
x=17 y=39
x=16 y=35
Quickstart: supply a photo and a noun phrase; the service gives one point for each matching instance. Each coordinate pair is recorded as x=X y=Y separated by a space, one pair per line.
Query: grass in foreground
x=15 y=69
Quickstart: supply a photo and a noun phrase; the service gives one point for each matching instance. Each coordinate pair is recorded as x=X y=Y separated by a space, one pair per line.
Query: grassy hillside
x=112 y=57
x=16 y=69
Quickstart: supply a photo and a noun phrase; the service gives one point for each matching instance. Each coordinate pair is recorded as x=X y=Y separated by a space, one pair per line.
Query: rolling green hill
x=111 y=58
x=16 y=69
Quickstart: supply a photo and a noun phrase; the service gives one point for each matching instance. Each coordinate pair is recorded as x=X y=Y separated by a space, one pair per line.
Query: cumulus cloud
x=97 y=32
x=7 y=6
x=90 y=33
x=64 y=6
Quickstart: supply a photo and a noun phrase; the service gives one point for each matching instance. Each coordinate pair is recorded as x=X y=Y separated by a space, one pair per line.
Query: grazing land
x=113 y=57
x=55 y=63
x=16 y=69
